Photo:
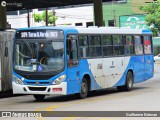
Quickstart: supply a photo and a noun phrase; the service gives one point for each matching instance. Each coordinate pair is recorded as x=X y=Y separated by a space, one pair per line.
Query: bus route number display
x=38 y=34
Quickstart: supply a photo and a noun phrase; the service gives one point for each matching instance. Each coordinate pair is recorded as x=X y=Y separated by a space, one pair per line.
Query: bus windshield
x=38 y=56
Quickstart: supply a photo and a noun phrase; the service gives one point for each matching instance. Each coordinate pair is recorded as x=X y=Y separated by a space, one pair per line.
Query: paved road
x=144 y=97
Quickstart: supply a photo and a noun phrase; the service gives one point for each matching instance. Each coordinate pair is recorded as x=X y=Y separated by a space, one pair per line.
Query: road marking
x=88 y=100
x=50 y=108
x=70 y=118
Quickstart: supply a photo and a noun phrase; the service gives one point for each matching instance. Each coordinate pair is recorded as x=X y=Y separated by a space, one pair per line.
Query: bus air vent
x=37 y=88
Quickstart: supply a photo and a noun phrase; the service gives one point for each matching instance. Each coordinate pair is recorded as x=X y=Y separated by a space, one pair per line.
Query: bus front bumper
x=60 y=89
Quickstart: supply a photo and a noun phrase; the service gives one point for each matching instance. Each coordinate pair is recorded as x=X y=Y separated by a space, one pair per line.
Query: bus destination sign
x=37 y=34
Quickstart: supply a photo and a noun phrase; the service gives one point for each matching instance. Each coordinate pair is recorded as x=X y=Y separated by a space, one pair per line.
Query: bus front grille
x=37 y=88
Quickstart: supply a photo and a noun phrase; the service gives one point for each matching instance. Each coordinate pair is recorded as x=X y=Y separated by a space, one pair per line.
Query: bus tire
x=129 y=83
x=39 y=98
x=84 y=89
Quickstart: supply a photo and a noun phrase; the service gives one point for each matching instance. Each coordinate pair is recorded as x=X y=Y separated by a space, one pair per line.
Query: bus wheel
x=129 y=83
x=39 y=98
x=84 y=89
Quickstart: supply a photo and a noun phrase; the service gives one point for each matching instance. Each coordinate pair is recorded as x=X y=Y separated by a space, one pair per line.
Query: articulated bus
x=68 y=60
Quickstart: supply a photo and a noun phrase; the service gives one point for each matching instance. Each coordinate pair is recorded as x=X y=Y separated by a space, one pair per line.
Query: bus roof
x=113 y=31
x=94 y=30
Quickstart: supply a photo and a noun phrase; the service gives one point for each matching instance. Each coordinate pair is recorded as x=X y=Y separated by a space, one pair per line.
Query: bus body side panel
x=113 y=74
x=73 y=80
x=138 y=70
x=113 y=70
x=127 y=66
x=136 y=64
x=85 y=68
x=75 y=76
x=149 y=67
x=95 y=66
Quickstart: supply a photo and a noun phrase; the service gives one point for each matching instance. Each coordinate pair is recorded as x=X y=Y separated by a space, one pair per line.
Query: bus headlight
x=17 y=80
x=59 y=80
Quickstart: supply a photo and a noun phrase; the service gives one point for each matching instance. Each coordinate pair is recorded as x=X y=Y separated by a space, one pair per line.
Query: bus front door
x=73 y=72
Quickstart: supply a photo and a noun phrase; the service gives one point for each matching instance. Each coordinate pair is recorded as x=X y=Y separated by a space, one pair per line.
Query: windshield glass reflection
x=38 y=56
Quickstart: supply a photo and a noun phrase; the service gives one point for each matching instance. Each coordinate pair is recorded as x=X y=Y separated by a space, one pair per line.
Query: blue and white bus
x=68 y=60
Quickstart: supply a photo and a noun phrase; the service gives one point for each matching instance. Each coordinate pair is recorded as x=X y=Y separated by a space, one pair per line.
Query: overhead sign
x=133 y=21
x=39 y=34
x=36 y=34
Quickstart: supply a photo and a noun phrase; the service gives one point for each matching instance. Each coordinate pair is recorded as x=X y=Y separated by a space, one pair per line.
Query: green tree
x=37 y=17
x=51 y=17
x=42 y=18
x=153 y=16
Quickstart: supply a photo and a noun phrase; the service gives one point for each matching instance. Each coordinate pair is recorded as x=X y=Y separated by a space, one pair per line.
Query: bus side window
x=72 y=51
x=83 y=46
x=95 y=46
x=107 y=43
x=129 y=45
x=147 y=45
x=138 y=45
x=118 y=43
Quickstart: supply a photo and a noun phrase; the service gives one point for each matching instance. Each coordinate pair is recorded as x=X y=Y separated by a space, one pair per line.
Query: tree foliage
x=37 y=17
x=153 y=16
x=42 y=17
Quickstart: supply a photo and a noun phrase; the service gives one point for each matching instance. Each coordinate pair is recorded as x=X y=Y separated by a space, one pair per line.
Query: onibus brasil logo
x=3 y=3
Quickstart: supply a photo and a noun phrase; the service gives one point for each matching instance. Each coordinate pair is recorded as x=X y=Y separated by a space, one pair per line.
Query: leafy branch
x=42 y=17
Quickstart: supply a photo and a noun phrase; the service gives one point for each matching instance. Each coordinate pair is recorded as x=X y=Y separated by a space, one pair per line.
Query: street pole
x=54 y=13
x=46 y=16
x=28 y=18
x=3 y=18
x=98 y=14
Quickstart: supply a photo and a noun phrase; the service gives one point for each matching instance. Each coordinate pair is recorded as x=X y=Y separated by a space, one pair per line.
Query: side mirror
x=6 y=52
